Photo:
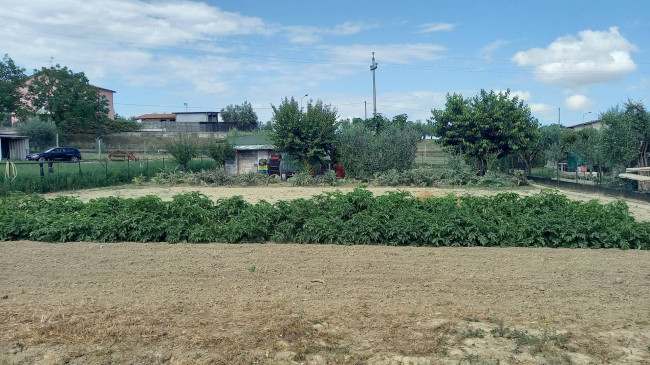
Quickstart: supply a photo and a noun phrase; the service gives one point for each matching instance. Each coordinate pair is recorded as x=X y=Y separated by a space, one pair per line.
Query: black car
x=56 y=154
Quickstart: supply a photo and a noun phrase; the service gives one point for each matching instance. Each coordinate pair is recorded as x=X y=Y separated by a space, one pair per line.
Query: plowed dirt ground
x=156 y=303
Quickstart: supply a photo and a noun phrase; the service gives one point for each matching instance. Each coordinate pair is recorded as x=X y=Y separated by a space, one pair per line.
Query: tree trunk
x=482 y=166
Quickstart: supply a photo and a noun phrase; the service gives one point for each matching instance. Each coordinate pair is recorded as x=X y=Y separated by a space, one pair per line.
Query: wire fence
x=44 y=177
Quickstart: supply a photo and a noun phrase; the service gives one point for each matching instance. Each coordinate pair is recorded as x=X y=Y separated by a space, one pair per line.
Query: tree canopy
x=489 y=125
x=220 y=152
x=364 y=152
x=242 y=114
x=307 y=136
x=42 y=133
x=12 y=78
x=71 y=102
x=628 y=134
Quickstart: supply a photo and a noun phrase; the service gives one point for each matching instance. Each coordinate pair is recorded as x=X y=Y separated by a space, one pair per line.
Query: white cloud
x=435 y=27
x=487 y=51
x=578 y=103
x=591 y=58
x=307 y=34
x=156 y=43
x=137 y=22
x=541 y=108
x=388 y=53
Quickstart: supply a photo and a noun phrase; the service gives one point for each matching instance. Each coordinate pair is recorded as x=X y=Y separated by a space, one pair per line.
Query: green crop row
x=547 y=219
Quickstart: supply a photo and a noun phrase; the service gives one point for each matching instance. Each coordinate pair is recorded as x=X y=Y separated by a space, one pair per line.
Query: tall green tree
x=243 y=115
x=553 y=143
x=365 y=152
x=627 y=134
x=183 y=150
x=12 y=77
x=529 y=153
x=589 y=146
x=307 y=136
x=69 y=100
x=220 y=152
x=357 y=148
x=41 y=133
x=489 y=125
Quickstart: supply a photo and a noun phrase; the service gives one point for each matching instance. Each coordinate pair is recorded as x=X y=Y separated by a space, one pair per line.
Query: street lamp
x=583 y=116
x=306 y=95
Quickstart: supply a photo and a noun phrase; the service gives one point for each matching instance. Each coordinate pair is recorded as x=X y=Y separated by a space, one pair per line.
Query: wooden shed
x=249 y=149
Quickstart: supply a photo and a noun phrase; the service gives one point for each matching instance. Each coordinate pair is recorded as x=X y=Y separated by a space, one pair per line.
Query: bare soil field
x=157 y=303
x=132 y=303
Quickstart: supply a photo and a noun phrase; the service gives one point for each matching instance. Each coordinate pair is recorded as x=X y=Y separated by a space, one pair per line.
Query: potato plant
x=547 y=219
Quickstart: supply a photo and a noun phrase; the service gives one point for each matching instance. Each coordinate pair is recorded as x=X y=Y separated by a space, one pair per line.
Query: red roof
x=157 y=116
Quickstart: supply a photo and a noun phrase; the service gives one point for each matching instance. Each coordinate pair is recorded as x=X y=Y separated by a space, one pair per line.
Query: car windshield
x=50 y=150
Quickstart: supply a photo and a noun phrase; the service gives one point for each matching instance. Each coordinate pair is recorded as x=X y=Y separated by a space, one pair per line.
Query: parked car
x=56 y=154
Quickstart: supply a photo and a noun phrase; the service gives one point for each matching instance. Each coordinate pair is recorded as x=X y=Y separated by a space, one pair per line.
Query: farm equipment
x=122 y=155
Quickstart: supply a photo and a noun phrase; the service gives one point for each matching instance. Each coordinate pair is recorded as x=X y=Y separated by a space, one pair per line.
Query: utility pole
x=559 y=121
x=365 y=111
x=373 y=67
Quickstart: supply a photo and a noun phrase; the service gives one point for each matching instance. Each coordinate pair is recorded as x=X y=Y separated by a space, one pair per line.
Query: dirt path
x=128 y=303
x=272 y=193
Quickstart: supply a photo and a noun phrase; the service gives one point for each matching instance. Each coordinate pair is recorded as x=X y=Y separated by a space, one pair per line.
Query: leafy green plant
x=329 y=178
x=140 y=179
x=183 y=150
x=302 y=178
x=547 y=219
x=251 y=179
x=220 y=152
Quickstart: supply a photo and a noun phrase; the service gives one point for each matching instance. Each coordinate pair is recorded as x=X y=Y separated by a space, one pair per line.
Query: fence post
x=106 y=169
x=128 y=169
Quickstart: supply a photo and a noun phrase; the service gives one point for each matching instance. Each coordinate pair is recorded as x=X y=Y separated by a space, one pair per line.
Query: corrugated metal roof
x=157 y=116
x=254 y=147
x=252 y=139
x=13 y=136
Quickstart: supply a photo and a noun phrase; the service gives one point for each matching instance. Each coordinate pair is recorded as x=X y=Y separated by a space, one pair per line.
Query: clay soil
x=156 y=303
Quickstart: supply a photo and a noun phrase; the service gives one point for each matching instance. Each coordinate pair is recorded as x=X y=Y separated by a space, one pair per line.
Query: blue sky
x=578 y=56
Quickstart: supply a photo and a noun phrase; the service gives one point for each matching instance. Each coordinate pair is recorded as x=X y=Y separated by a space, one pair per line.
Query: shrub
x=220 y=152
x=183 y=150
x=218 y=177
x=329 y=178
x=457 y=176
x=365 y=152
x=42 y=134
x=251 y=179
x=302 y=179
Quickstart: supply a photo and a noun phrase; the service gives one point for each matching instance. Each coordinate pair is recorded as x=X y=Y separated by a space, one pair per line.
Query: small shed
x=13 y=147
x=249 y=150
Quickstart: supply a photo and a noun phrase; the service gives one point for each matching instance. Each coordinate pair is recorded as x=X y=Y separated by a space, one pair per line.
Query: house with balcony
x=190 y=122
